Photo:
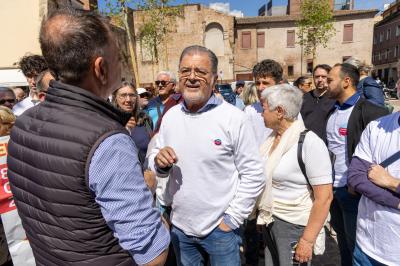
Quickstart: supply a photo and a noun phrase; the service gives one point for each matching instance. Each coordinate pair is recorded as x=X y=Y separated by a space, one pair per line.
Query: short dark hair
x=69 y=46
x=350 y=71
x=201 y=49
x=325 y=67
x=6 y=89
x=32 y=65
x=300 y=81
x=268 y=68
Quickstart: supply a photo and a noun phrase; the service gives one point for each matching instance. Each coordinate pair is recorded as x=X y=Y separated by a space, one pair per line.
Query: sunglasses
x=3 y=101
x=162 y=82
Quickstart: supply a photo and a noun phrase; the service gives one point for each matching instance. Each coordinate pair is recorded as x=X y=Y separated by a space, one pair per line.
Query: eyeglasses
x=3 y=101
x=124 y=95
x=162 y=82
x=185 y=72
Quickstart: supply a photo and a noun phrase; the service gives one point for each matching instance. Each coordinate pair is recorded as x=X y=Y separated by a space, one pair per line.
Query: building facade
x=198 y=25
x=259 y=38
x=386 y=44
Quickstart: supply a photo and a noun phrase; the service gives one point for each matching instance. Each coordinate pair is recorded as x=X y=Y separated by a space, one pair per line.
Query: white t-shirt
x=288 y=182
x=219 y=169
x=336 y=133
x=23 y=105
x=257 y=121
x=378 y=226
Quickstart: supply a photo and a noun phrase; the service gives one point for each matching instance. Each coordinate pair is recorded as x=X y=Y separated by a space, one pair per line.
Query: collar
x=350 y=102
x=212 y=102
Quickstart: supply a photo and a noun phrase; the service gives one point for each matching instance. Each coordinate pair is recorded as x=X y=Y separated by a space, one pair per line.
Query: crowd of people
x=103 y=172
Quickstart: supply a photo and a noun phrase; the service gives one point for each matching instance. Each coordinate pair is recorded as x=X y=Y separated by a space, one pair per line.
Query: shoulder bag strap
x=390 y=160
x=300 y=155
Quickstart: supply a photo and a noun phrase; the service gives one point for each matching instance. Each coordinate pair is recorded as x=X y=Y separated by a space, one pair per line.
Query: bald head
x=70 y=40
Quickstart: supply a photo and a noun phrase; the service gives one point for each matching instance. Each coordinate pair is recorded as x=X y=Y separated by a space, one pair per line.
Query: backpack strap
x=390 y=160
x=300 y=155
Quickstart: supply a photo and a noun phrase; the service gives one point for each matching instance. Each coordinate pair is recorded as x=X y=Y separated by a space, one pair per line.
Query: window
x=398 y=30
x=381 y=37
x=375 y=38
x=348 y=33
x=290 y=38
x=260 y=39
x=387 y=54
x=290 y=71
x=379 y=56
x=310 y=66
x=246 y=39
x=388 y=34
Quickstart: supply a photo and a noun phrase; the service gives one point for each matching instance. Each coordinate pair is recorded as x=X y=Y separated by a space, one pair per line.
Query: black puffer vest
x=49 y=154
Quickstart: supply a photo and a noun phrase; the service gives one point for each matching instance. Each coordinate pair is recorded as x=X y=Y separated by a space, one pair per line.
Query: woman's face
x=126 y=98
x=270 y=117
x=5 y=128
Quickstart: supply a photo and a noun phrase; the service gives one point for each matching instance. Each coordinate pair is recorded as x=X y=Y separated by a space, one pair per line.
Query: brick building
x=386 y=44
x=274 y=37
x=198 y=25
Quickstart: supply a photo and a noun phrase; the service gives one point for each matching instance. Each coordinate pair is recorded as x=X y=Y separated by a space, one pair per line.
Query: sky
x=250 y=7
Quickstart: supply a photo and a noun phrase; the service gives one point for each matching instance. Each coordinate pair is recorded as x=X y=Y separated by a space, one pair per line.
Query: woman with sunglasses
x=140 y=125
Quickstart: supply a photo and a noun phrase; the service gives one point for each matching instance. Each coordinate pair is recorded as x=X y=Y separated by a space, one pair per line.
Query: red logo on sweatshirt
x=343 y=131
x=217 y=142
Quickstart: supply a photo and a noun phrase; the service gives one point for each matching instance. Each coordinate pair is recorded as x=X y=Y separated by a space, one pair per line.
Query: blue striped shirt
x=115 y=177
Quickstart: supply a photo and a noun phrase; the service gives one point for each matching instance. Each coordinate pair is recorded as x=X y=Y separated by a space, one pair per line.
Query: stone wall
x=190 y=29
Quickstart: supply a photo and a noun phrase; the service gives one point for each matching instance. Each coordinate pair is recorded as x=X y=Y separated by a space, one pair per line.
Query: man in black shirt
x=316 y=105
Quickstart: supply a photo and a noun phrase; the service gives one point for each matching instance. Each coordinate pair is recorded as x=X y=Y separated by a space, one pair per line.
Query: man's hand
x=380 y=177
x=224 y=227
x=166 y=157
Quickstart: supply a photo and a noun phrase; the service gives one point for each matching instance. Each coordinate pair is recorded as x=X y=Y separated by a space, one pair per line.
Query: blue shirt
x=115 y=177
x=349 y=102
x=212 y=102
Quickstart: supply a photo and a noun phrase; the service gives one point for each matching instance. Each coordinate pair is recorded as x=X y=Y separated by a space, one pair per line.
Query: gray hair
x=362 y=67
x=286 y=96
x=170 y=74
x=195 y=49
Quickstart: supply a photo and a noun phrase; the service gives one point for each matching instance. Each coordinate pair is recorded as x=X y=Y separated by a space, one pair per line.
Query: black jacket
x=363 y=112
x=315 y=112
x=50 y=150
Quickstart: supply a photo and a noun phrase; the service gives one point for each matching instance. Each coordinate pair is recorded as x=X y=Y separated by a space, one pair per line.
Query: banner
x=18 y=245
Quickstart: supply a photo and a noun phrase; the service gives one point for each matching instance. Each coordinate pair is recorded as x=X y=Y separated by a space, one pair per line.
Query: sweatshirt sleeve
x=358 y=173
x=252 y=179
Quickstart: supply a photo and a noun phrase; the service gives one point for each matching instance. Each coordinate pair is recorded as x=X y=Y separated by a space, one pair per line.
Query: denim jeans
x=362 y=259
x=221 y=248
x=344 y=209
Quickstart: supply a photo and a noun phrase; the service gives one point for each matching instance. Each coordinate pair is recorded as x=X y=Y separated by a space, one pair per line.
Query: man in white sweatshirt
x=207 y=148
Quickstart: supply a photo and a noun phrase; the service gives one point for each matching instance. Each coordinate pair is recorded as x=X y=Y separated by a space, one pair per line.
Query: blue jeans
x=221 y=248
x=362 y=259
x=344 y=209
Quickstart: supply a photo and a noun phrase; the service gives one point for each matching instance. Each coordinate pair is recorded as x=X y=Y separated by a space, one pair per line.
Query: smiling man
x=205 y=145
x=165 y=83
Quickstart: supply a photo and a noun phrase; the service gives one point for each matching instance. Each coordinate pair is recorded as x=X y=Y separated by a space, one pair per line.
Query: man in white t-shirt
x=31 y=66
x=207 y=148
x=378 y=221
x=267 y=73
x=344 y=128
